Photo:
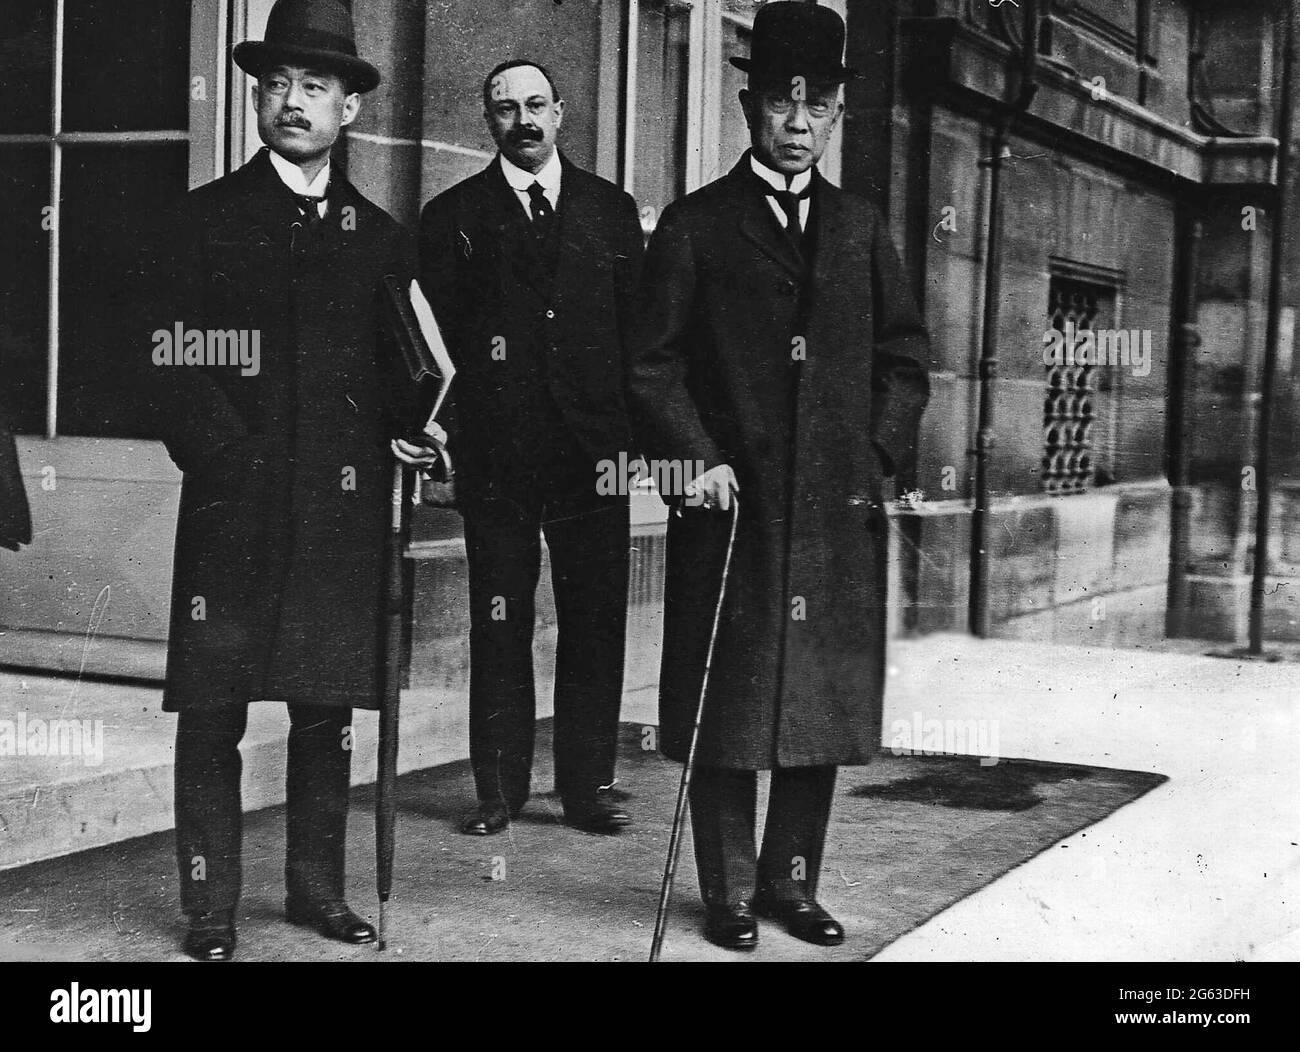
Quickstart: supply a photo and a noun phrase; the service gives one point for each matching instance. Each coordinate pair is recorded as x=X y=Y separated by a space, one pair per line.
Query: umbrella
x=390 y=702
x=411 y=323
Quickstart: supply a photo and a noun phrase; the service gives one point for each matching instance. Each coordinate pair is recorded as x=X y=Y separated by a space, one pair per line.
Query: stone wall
x=1089 y=568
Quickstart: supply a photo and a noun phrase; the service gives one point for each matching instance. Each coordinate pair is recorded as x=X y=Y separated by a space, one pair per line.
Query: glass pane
x=1119 y=13
x=26 y=65
x=745 y=9
x=126 y=65
x=107 y=193
x=24 y=283
x=466 y=38
x=662 y=41
x=734 y=134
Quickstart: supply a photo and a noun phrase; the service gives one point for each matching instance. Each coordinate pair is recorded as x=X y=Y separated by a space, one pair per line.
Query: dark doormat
x=910 y=835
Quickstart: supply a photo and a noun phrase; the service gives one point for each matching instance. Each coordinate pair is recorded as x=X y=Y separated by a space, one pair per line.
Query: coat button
x=550 y=314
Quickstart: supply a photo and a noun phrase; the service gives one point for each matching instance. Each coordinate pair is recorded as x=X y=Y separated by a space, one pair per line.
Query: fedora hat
x=309 y=33
x=793 y=39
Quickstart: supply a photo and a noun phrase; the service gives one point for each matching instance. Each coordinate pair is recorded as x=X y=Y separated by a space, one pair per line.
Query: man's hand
x=421 y=451
x=713 y=489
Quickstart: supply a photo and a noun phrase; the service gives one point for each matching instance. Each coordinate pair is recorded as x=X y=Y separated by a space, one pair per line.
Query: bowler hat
x=309 y=33
x=796 y=39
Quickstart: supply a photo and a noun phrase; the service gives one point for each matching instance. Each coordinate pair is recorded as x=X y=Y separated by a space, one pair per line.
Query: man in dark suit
x=278 y=579
x=777 y=342
x=531 y=266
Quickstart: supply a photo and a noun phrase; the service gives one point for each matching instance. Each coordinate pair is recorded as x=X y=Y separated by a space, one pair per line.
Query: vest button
x=550 y=314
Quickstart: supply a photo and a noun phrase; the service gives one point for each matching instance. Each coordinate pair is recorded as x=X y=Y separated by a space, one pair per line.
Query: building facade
x=1138 y=203
x=1138 y=195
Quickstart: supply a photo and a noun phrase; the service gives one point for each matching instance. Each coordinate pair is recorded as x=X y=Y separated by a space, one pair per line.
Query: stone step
x=112 y=779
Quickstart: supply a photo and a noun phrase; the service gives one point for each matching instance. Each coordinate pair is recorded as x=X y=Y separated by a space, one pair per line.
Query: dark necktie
x=308 y=205
x=542 y=211
x=789 y=202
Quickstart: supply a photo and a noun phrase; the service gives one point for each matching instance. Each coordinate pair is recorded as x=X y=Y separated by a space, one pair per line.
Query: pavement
x=1205 y=867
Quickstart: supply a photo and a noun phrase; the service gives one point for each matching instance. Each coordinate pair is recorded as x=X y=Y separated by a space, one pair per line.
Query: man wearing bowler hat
x=778 y=343
x=278 y=576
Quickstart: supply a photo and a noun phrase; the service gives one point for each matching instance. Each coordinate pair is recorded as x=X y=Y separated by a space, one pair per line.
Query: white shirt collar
x=776 y=180
x=291 y=175
x=521 y=179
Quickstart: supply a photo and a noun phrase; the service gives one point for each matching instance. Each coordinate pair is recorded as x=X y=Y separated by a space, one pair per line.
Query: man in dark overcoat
x=778 y=344
x=283 y=441
x=531 y=266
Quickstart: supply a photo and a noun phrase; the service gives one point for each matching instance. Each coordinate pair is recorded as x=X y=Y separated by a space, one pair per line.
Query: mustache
x=521 y=135
x=294 y=121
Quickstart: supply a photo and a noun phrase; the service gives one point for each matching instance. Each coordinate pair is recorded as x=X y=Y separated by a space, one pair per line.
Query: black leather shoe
x=211 y=936
x=804 y=919
x=491 y=816
x=332 y=919
x=731 y=927
x=594 y=815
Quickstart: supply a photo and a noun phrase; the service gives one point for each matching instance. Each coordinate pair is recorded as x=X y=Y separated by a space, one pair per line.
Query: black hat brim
x=255 y=57
x=836 y=75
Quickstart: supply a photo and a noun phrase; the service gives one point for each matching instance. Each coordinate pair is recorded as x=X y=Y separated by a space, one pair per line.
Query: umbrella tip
x=383 y=938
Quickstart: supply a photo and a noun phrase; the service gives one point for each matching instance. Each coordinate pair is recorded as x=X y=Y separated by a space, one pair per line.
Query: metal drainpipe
x=1021 y=76
x=1263 y=456
x=1181 y=383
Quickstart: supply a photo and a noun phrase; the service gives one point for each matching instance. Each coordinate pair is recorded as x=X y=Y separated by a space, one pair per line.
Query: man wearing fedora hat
x=279 y=552
x=778 y=343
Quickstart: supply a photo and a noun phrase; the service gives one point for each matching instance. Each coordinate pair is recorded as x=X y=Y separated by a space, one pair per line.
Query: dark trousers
x=209 y=815
x=587 y=535
x=723 y=805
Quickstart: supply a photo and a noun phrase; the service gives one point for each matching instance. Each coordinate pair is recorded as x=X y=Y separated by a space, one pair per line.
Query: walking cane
x=675 y=840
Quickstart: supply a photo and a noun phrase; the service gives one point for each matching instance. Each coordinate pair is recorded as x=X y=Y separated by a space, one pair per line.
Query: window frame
x=209 y=25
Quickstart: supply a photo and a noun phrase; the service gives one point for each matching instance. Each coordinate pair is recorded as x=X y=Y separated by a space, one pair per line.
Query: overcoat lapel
x=819 y=294
x=762 y=231
x=759 y=226
x=329 y=234
x=264 y=213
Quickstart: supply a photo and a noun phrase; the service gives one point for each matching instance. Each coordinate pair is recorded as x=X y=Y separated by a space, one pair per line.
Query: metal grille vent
x=1070 y=408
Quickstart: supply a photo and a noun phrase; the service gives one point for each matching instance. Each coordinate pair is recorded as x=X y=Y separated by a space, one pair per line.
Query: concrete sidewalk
x=1206 y=867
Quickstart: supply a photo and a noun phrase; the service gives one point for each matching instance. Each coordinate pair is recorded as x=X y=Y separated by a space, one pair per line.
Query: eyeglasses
x=783 y=104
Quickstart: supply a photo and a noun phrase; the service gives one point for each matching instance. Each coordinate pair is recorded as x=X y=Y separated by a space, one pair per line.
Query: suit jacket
x=279 y=548
x=806 y=377
x=537 y=351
